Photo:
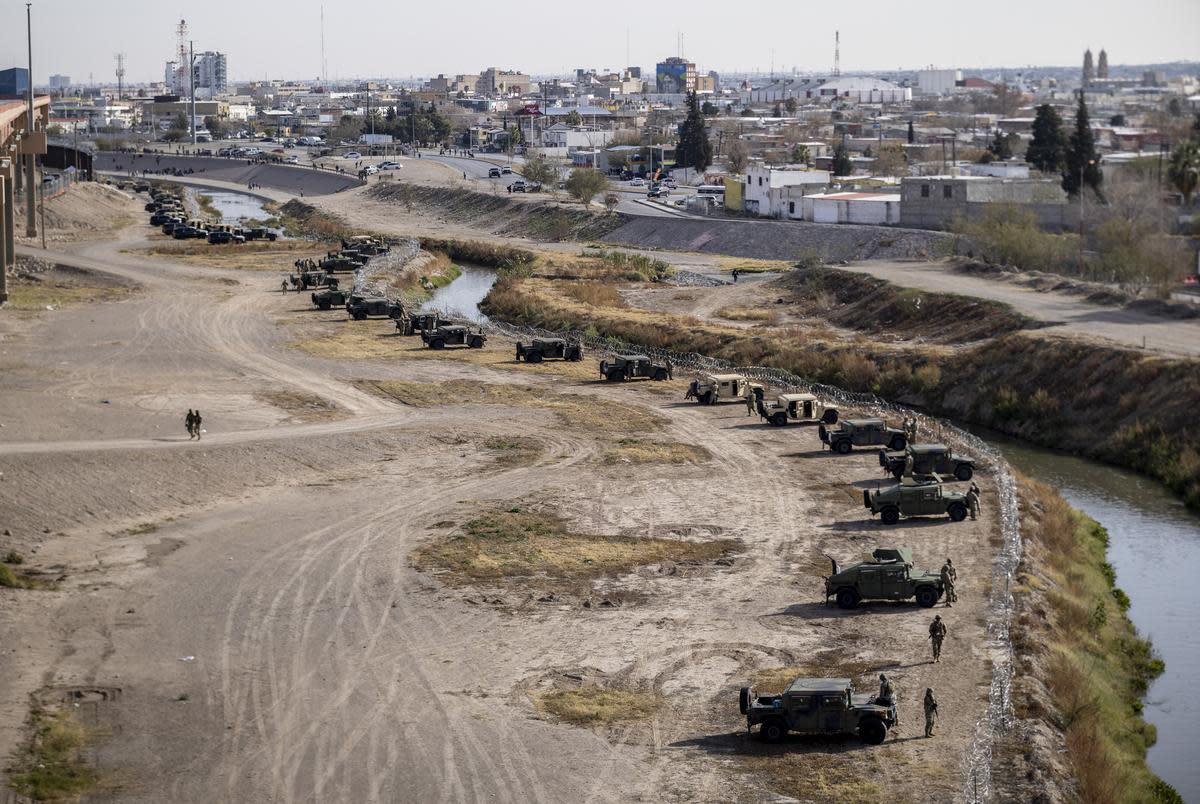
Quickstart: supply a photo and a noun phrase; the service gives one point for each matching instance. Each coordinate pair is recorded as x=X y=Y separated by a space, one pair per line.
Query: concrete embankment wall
x=285 y=178
x=776 y=240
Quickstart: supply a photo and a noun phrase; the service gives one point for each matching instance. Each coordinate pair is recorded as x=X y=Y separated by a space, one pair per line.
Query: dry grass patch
x=762 y=315
x=598 y=706
x=587 y=413
x=301 y=406
x=519 y=544
x=27 y=294
x=257 y=255
x=513 y=450
x=822 y=778
x=635 y=450
x=53 y=766
x=596 y=294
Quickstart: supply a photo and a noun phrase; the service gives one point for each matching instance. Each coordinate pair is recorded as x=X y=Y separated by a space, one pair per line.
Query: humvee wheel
x=360 y=316
x=957 y=511
x=963 y=472
x=890 y=515
x=847 y=599
x=437 y=343
x=898 y=444
x=575 y=355
x=872 y=731
x=926 y=597
x=533 y=357
x=744 y=699
x=660 y=374
x=778 y=419
x=774 y=729
x=324 y=305
x=706 y=398
x=477 y=343
x=830 y=417
x=844 y=446
x=614 y=376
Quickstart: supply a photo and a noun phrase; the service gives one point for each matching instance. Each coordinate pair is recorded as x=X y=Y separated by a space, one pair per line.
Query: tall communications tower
x=837 y=53
x=183 y=72
x=120 y=57
x=324 y=69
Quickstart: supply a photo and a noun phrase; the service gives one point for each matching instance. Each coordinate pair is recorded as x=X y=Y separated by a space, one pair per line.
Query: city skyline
x=372 y=42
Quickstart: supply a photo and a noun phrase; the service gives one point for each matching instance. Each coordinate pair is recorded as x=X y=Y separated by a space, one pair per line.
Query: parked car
x=352 y=155
x=637 y=182
x=390 y=165
x=292 y=160
x=217 y=238
x=506 y=171
x=494 y=173
x=517 y=186
x=370 y=170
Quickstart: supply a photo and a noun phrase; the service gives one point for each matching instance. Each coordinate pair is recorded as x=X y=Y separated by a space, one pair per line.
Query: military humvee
x=340 y=262
x=713 y=388
x=862 y=433
x=316 y=279
x=365 y=244
x=889 y=577
x=928 y=460
x=541 y=348
x=628 y=367
x=918 y=499
x=363 y=307
x=797 y=408
x=413 y=323
x=450 y=334
x=827 y=706
x=330 y=297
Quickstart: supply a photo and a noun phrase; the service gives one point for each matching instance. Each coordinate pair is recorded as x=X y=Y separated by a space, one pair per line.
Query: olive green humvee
x=862 y=433
x=916 y=499
x=827 y=706
x=890 y=576
x=929 y=461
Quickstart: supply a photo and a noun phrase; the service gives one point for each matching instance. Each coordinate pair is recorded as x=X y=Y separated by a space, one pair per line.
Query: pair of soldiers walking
x=193 y=422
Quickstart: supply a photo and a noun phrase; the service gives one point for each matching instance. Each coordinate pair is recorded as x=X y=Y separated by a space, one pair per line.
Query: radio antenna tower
x=120 y=75
x=324 y=65
x=837 y=53
x=183 y=70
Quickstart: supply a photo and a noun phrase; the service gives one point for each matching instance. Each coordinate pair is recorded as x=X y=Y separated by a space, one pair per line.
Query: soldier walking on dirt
x=283 y=285
x=973 y=501
x=949 y=576
x=750 y=398
x=930 y=711
x=190 y=421
x=197 y=422
x=937 y=633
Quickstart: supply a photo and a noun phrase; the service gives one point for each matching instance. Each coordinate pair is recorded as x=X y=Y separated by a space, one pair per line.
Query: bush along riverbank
x=1081 y=669
x=1119 y=406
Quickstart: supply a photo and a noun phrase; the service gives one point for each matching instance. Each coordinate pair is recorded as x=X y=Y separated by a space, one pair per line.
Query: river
x=461 y=297
x=1154 y=545
x=235 y=208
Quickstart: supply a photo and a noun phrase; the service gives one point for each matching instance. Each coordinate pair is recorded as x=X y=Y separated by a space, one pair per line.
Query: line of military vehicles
x=167 y=212
x=817 y=706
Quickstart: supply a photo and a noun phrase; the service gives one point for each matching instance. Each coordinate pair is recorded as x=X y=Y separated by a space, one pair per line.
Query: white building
x=938 y=82
x=764 y=188
x=561 y=135
x=60 y=81
x=210 y=73
x=859 y=89
x=875 y=209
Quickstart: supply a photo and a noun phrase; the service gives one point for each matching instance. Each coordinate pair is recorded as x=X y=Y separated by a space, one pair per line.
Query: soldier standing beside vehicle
x=930 y=711
x=749 y=401
x=937 y=633
x=887 y=697
x=973 y=501
x=949 y=576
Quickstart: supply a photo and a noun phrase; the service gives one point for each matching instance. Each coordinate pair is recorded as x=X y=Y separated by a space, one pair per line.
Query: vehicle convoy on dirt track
x=710 y=389
x=418 y=322
x=541 y=349
x=919 y=499
x=825 y=706
x=862 y=433
x=629 y=367
x=329 y=298
x=453 y=335
x=889 y=576
x=929 y=462
x=797 y=408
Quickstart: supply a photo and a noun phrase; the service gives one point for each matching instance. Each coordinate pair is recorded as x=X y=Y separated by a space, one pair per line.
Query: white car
x=390 y=165
x=370 y=170
x=352 y=155
x=637 y=182
x=506 y=171
x=292 y=160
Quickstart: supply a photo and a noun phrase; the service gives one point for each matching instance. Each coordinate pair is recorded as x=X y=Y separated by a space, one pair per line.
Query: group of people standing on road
x=193 y=422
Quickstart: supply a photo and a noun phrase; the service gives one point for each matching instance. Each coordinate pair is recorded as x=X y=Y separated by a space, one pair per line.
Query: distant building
x=1102 y=67
x=875 y=209
x=14 y=81
x=171 y=78
x=768 y=192
x=1089 y=72
x=938 y=82
x=209 y=73
x=502 y=82
x=855 y=89
x=675 y=75
x=60 y=81
x=935 y=202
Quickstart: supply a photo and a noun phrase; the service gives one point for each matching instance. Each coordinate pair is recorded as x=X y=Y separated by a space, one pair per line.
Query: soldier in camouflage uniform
x=887 y=697
x=931 y=709
x=949 y=576
x=973 y=501
x=937 y=633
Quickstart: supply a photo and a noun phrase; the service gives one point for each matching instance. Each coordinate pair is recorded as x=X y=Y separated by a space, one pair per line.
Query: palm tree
x=1184 y=171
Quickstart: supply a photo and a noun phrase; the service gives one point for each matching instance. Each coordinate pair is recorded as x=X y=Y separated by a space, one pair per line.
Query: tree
x=216 y=126
x=584 y=183
x=610 y=201
x=390 y=116
x=574 y=118
x=800 y=155
x=1174 y=108
x=842 y=166
x=791 y=105
x=912 y=136
x=541 y=171
x=348 y=128
x=708 y=109
x=1117 y=120
x=1045 y=151
x=890 y=161
x=1081 y=163
x=1184 y=171
x=739 y=157
x=778 y=110
x=694 y=149
x=1001 y=146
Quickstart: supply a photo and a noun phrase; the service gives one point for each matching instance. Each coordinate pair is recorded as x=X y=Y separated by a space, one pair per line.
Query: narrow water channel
x=234 y=208
x=1154 y=545
x=461 y=297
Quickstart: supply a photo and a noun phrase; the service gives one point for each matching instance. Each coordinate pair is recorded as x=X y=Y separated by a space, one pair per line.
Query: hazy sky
x=399 y=39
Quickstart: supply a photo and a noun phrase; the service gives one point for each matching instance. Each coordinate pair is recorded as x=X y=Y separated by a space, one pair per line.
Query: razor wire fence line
x=998 y=716
x=398 y=255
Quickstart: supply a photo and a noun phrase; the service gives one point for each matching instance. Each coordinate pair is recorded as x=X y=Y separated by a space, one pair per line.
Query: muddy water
x=1154 y=545
x=234 y=208
x=461 y=297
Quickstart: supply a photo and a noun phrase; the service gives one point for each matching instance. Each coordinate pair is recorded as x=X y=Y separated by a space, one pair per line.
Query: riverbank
x=1082 y=670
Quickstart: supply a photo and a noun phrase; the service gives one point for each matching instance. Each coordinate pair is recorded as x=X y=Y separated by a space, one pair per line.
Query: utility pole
x=192 y=84
x=30 y=195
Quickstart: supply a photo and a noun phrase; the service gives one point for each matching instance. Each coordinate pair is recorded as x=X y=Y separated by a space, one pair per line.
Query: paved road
x=1068 y=314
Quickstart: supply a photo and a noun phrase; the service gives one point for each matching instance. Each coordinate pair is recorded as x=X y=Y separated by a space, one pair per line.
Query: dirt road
x=245 y=622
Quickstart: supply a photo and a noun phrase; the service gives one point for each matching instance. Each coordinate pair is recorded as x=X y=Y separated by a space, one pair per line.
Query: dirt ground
x=243 y=620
